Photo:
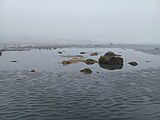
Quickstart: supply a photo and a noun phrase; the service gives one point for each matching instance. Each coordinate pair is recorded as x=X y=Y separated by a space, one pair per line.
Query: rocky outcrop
x=86 y=71
x=110 y=53
x=133 y=63
x=111 y=61
x=111 y=67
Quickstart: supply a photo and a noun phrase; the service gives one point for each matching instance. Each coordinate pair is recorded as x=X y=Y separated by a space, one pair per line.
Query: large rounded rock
x=111 y=60
x=111 y=67
x=110 y=53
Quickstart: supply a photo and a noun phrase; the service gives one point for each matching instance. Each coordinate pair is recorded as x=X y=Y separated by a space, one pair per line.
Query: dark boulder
x=86 y=71
x=133 y=63
x=33 y=71
x=111 y=67
x=110 y=53
x=13 y=61
x=108 y=60
x=0 y=53
x=59 y=52
x=82 y=52
x=111 y=61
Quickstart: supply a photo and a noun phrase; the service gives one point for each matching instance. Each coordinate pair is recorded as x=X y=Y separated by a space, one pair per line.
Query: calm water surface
x=45 y=60
x=57 y=92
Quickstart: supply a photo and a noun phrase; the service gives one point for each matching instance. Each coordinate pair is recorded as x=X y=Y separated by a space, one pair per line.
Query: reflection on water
x=111 y=67
x=50 y=60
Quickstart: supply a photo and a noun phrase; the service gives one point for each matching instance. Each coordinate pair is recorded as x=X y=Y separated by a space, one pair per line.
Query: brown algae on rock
x=86 y=71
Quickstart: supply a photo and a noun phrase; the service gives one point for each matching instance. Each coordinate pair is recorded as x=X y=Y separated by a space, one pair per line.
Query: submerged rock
x=90 y=61
x=156 y=48
x=86 y=71
x=94 y=54
x=133 y=63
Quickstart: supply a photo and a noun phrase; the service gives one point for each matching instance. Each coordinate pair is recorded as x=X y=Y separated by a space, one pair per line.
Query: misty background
x=80 y=21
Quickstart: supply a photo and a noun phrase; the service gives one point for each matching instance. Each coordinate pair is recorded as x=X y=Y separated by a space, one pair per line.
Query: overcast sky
x=101 y=21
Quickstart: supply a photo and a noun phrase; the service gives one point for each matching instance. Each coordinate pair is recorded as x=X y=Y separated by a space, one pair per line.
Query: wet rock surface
x=133 y=63
x=86 y=71
x=73 y=61
x=111 y=67
x=110 y=53
x=90 y=61
x=110 y=58
x=59 y=52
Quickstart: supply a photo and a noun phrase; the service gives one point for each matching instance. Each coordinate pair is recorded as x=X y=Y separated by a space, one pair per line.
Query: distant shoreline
x=150 y=49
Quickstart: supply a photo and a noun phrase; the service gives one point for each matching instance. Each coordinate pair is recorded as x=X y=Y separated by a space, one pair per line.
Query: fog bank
x=80 y=21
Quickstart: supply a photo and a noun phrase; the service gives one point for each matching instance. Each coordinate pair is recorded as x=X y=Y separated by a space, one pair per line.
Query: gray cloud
x=102 y=21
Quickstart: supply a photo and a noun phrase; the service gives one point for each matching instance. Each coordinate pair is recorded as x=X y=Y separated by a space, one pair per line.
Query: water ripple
x=24 y=96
